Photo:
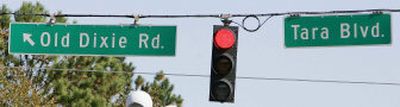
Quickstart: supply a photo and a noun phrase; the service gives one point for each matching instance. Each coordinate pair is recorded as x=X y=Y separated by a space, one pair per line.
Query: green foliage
x=17 y=90
x=94 y=84
x=160 y=90
x=28 y=8
x=4 y=19
x=4 y=23
x=139 y=82
x=61 y=19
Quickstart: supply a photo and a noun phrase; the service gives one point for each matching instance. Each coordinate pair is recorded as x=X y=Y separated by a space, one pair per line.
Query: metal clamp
x=225 y=19
x=226 y=22
x=52 y=18
x=136 y=19
x=377 y=12
x=225 y=16
x=294 y=15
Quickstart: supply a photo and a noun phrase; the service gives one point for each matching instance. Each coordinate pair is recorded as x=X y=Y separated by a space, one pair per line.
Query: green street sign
x=114 y=40
x=337 y=30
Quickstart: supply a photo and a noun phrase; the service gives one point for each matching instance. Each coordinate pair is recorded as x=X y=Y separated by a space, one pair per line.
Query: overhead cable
x=221 y=16
x=238 y=77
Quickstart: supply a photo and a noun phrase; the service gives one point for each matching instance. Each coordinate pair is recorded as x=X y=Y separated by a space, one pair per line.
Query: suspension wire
x=208 y=15
x=242 y=25
x=320 y=12
x=283 y=79
x=237 y=77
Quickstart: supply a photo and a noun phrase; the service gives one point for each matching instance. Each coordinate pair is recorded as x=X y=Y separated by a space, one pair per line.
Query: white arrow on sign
x=27 y=37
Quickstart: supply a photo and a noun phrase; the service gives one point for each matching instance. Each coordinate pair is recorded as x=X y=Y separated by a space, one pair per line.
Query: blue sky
x=260 y=54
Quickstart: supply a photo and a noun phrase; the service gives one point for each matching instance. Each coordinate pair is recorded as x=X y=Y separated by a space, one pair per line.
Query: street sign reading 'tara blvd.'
x=337 y=30
x=115 y=40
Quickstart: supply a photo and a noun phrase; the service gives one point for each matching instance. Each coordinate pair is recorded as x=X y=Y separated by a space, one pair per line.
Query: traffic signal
x=223 y=63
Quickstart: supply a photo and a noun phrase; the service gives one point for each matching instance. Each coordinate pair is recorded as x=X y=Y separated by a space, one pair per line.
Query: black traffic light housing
x=223 y=64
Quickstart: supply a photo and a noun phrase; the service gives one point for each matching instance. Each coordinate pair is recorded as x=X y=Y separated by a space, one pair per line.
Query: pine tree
x=160 y=90
x=16 y=89
x=41 y=80
x=61 y=79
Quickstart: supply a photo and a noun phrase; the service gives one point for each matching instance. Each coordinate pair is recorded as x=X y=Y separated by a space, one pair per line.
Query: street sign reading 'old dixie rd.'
x=337 y=30
x=116 y=40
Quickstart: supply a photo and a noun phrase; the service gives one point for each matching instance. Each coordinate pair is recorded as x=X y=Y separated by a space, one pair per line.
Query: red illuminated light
x=224 y=38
